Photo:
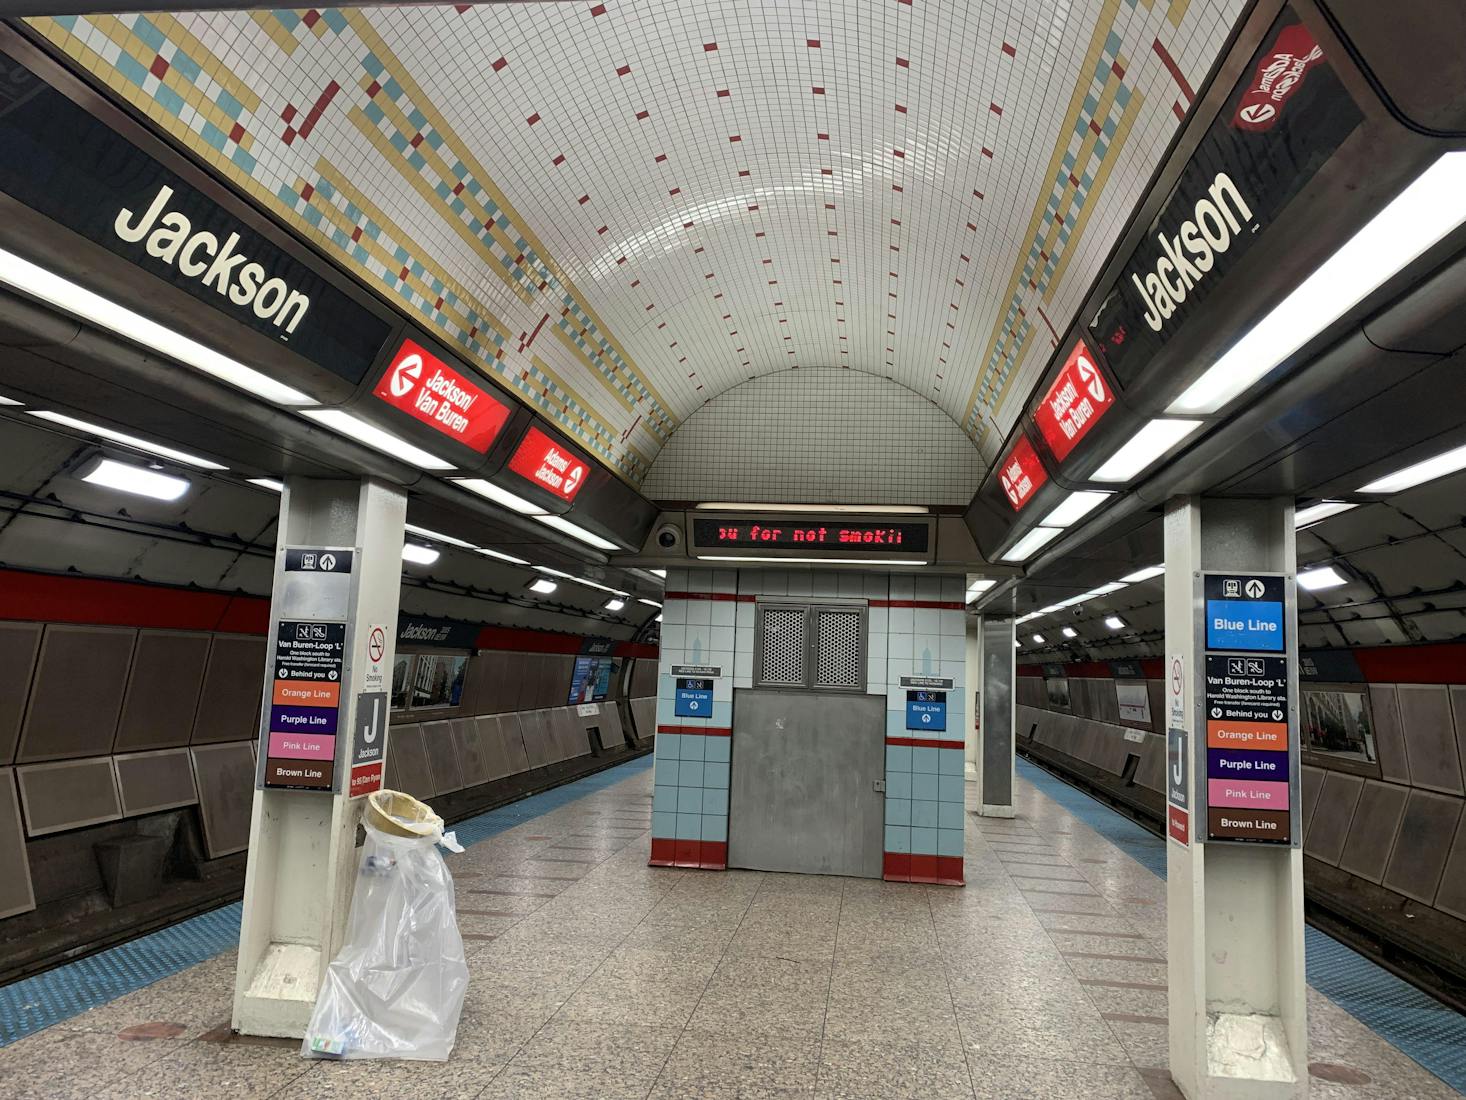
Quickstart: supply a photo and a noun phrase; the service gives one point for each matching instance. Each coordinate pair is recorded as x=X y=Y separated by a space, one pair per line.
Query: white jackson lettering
x=1189 y=253
x=171 y=238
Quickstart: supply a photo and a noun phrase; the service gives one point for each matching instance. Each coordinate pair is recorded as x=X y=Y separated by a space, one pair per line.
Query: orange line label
x=1227 y=734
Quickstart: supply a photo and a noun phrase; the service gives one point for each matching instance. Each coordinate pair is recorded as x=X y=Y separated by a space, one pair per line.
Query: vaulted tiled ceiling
x=621 y=209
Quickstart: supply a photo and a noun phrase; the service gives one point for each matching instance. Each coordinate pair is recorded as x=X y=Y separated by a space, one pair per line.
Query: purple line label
x=1247 y=764
x=303 y=719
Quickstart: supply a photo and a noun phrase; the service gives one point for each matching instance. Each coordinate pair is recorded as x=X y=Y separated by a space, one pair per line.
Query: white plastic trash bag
x=397 y=986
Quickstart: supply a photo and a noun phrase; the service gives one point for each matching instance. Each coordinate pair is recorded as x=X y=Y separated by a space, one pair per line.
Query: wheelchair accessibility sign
x=694 y=698
x=926 y=710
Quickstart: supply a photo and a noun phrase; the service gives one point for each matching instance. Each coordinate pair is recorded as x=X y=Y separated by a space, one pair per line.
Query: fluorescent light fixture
x=1018 y=642
x=419 y=555
x=657 y=619
x=10 y=401
x=1104 y=589
x=268 y=483
x=977 y=588
x=1070 y=632
x=438 y=536
x=810 y=561
x=1144 y=448
x=543 y=586
x=136 y=479
x=510 y=558
x=37 y=282
x=1433 y=205
x=369 y=435
x=615 y=605
x=1315 y=513
x=1325 y=576
x=580 y=580
x=130 y=440
x=575 y=531
x=1144 y=574
x=1075 y=507
x=1032 y=543
x=826 y=509
x=658 y=573
x=1038 y=639
x=649 y=603
x=489 y=491
x=1114 y=622
x=1421 y=472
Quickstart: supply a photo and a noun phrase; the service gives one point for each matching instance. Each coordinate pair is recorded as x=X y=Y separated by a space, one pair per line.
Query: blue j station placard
x=1244 y=613
x=694 y=698
x=926 y=710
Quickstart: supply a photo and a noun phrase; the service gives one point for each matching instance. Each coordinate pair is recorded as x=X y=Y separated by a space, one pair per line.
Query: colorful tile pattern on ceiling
x=619 y=210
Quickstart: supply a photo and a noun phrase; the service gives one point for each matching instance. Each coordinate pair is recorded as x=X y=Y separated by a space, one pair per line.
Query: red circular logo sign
x=376 y=644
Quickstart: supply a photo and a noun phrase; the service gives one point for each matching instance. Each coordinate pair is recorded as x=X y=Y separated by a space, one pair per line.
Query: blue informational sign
x=1244 y=613
x=926 y=710
x=694 y=699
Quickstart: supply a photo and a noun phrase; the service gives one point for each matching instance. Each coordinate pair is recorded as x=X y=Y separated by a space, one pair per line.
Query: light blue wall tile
x=714 y=827
x=689 y=826
x=923 y=813
x=664 y=798
x=952 y=761
x=664 y=824
x=924 y=760
x=924 y=786
x=898 y=784
x=951 y=789
x=689 y=773
x=898 y=838
x=949 y=815
x=714 y=801
x=689 y=800
x=715 y=775
x=723 y=714
x=692 y=748
x=898 y=758
x=669 y=745
x=923 y=841
x=718 y=749
x=895 y=723
x=898 y=811
x=949 y=842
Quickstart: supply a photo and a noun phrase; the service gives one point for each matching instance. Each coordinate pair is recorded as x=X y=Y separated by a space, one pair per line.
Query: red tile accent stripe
x=933 y=870
x=697 y=731
x=722 y=597
x=924 y=743
x=1175 y=70
x=942 y=605
x=709 y=855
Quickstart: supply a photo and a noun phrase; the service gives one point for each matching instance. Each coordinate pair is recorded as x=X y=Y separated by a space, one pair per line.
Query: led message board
x=795 y=535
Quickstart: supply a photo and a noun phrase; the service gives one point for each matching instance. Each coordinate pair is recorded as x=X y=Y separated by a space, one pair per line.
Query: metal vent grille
x=783 y=646
x=840 y=659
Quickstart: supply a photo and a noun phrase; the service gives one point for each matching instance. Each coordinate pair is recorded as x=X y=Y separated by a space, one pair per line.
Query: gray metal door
x=803 y=795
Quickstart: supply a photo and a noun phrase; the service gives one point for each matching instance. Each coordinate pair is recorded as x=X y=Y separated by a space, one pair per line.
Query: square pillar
x=1234 y=860
x=996 y=763
x=323 y=729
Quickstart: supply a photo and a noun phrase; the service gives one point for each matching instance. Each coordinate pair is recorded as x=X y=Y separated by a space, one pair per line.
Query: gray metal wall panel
x=1458 y=719
x=1109 y=700
x=511 y=732
x=407 y=763
x=1389 y=735
x=19 y=645
x=68 y=795
x=437 y=739
x=233 y=682
x=158 y=780
x=644 y=715
x=513 y=669
x=225 y=777
x=16 y=894
x=491 y=744
x=1451 y=896
x=643 y=678
x=1373 y=830
x=76 y=695
x=162 y=690
x=536 y=730
x=1330 y=826
x=1155 y=690
x=473 y=765
x=1151 y=774
x=613 y=736
x=1310 y=783
x=1430 y=737
x=1420 y=857
x=570 y=731
x=475 y=697
x=559 y=671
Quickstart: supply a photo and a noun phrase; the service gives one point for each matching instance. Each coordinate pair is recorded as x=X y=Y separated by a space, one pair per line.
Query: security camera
x=669 y=536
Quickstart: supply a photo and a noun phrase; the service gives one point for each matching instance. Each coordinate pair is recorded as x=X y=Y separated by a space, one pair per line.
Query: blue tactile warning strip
x=1425 y=1029
x=29 y=1005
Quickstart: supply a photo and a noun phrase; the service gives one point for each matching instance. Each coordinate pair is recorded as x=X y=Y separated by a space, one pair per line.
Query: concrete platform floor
x=597 y=977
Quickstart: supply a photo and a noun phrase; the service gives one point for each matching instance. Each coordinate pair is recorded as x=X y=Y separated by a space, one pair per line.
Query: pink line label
x=1246 y=794
x=303 y=746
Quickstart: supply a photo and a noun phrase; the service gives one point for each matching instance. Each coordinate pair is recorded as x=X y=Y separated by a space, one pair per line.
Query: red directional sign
x=1075 y=402
x=428 y=389
x=550 y=465
x=1021 y=473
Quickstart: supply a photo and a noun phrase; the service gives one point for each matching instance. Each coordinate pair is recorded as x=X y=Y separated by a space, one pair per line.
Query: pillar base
x=997 y=811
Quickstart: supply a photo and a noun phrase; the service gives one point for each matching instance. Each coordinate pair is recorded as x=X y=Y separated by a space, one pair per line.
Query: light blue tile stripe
x=1419 y=1025
x=34 y=1003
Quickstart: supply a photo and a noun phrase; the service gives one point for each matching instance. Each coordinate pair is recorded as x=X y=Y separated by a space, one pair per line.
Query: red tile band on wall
x=720 y=597
x=43 y=597
x=924 y=743
x=707 y=855
x=940 y=605
x=700 y=731
x=931 y=870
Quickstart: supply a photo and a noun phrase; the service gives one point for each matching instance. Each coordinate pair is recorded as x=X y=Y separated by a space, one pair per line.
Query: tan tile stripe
x=512 y=893
x=1072 y=912
x=1084 y=932
x=489 y=913
x=1110 y=984
x=1066 y=893
x=1114 y=958
x=1131 y=1018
